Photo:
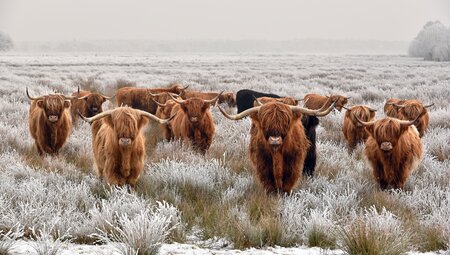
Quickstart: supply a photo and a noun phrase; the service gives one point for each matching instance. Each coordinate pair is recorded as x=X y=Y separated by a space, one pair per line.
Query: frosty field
x=213 y=201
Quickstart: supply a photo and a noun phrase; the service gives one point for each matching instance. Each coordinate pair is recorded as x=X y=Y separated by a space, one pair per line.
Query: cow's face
x=361 y=112
x=275 y=120
x=126 y=124
x=386 y=132
x=94 y=103
x=53 y=106
x=228 y=98
x=341 y=101
x=195 y=109
x=410 y=110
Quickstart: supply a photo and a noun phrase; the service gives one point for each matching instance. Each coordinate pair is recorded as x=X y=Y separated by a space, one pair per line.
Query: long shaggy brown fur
x=353 y=131
x=88 y=107
x=200 y=132
x=119 y=164
x=227 y=97
x=316 y=101
x=163 y=112
x=50 y=136
x=411 y=109
x=390 y=109
x=391 y=168
x=278 y=168
x=140 y=98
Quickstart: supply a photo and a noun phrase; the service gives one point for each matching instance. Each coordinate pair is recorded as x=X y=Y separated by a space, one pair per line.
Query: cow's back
x=245 y=98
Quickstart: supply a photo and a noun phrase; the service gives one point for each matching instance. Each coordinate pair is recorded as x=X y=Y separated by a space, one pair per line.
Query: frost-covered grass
x=215 y=196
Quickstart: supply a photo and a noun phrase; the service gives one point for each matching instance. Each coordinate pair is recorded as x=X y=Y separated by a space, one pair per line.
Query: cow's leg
x=378 y=173
x=277 y=167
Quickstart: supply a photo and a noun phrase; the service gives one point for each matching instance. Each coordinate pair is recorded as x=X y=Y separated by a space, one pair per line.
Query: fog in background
x=210 y=24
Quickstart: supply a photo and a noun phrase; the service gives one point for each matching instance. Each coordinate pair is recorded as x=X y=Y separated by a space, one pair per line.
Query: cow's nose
x=386 y=146
x=124 y=141
x=275 y=140
x=53 y=118
x=194 y=119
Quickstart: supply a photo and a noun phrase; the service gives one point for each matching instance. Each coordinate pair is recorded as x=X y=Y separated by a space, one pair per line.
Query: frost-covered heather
x=216 y=195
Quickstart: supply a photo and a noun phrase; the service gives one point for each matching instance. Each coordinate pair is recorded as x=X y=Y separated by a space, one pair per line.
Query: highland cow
x=163 y=112
x=410 y=109
x=393 y=149
x=118 y=144
x=88 y=104
x=390 y=109
x=278 y=144
x=354 y=132
x=316 y=101
x=193 y=122
x=141 y=98
x=49 y=122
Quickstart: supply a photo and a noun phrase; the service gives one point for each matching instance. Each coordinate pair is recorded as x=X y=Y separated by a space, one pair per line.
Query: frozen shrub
x=141 y=234
x=7 y=239
x=45 y=243
x=432 y=42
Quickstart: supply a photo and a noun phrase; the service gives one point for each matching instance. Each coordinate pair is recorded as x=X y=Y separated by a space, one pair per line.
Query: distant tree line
x=432 y=42
x=5 y=42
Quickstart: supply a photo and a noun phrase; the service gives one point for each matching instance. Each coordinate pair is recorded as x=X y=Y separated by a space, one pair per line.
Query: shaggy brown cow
x=353 y=130
x=278 y=144
x=389 y=107
x=393 y=149
x=118 y=143
x=410 y=109
x=88 y=104
x=193 y=121
x=163 y=112
x=141 y=98
x=227 y=97
x=49 y=122
x=316 y=101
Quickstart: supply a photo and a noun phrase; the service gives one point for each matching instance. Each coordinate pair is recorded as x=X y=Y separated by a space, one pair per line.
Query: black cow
x=245 y=99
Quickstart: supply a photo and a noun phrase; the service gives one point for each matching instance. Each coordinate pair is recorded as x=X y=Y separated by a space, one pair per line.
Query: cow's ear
x=183 y=107
x=142 y=122
x=297 y=115
x=205 y=106
x=108 y=121
x=66 y=103
x=40 y=103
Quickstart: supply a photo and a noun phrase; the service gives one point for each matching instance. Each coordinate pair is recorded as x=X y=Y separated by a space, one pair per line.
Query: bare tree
x=5 y=42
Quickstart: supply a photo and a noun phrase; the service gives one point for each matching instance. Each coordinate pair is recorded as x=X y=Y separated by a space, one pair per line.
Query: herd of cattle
x=282 y=135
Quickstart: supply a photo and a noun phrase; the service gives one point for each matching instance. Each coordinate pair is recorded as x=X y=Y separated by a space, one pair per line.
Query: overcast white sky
x=388 y=20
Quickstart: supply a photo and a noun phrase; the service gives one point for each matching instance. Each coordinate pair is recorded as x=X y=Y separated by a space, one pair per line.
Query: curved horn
x=159 y=104
x=348 y=109
x=348 y=98
x=178 y=101
x=426 y=106
x=398 y=105
x=256 y=99
x=240 y=115
x=32 y=98
x=96 y=117
x=107 y=97
x=153 y=117
x=155 y=95
x=83 y=97
x=307 y=111
x=370 y=123
x=184 y=88
x=214 y=99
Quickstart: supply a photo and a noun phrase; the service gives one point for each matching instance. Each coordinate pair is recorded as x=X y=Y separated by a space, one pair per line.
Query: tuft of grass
x=365 y=239
x=430 y=238
x=319 y=238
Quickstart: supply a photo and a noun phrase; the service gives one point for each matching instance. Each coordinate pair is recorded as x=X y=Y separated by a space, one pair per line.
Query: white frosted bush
x=432 y=42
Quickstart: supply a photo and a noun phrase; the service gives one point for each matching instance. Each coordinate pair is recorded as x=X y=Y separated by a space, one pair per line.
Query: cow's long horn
x=96 y=117
x=184 y=88
x=348 y=98
x=256 y=99
x=155 y=95
x=178 y=101
x=348 y=109
x=364 y=123
x=153 y=117
x=240 y=115
x=214 y=99
x=32 y=98
x=107 y=97
x=398 y=105
x=159 y=104
x=83 y=97
x=426 y=106
x=319 y=112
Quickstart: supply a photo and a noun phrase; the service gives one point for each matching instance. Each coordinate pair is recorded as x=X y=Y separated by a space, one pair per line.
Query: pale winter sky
x=388 y=20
